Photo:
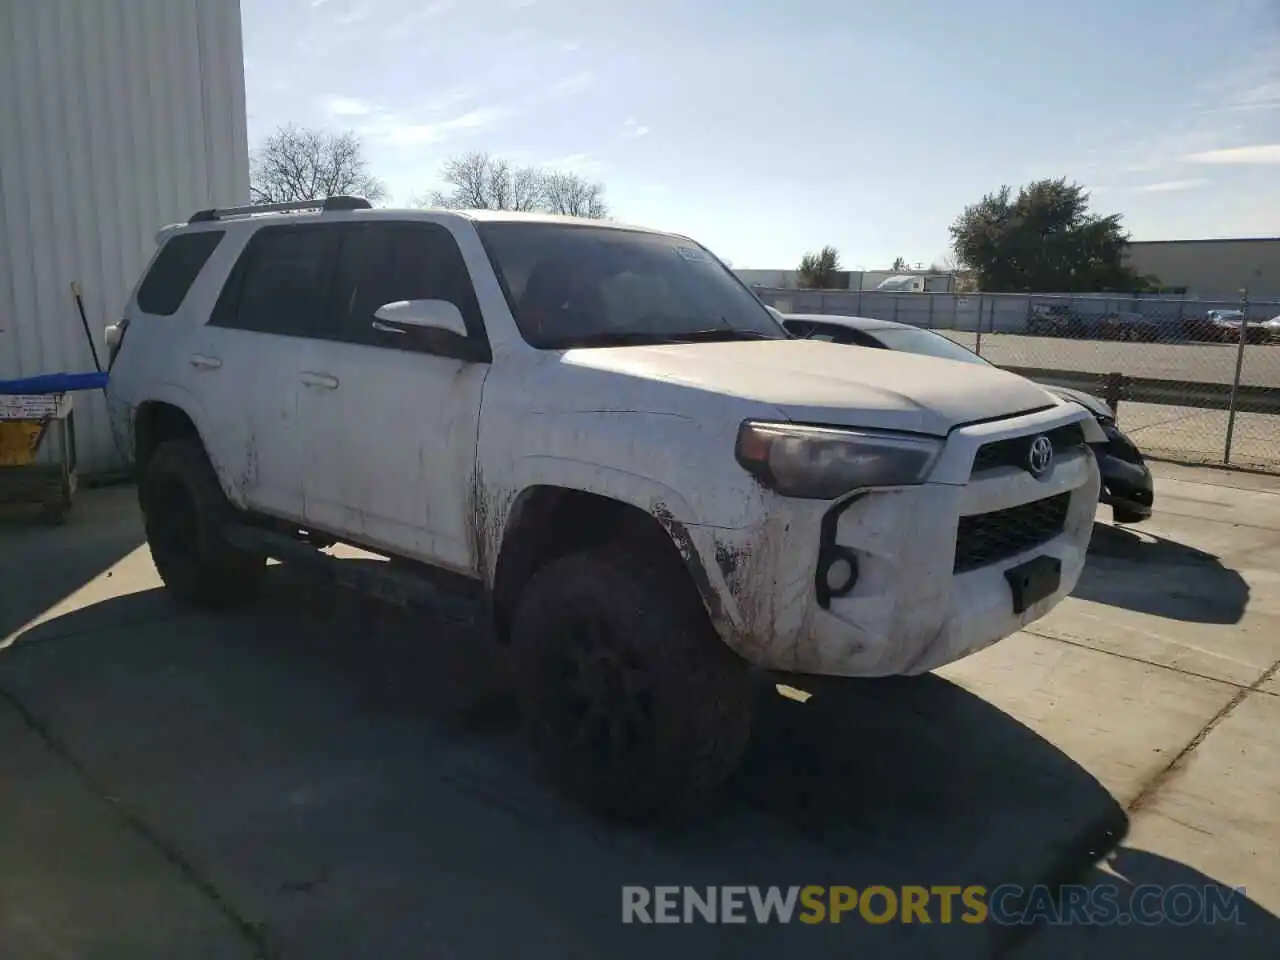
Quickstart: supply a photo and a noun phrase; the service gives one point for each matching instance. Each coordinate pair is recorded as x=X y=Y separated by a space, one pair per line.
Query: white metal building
x=116 y=118
x=1212 y=268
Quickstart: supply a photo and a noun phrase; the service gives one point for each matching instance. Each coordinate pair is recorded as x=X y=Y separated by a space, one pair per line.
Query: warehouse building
x=1212 y=269
x=116 y=118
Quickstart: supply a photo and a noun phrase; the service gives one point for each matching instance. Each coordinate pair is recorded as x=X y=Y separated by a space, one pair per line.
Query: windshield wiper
x=640 y=338
x=719 y=333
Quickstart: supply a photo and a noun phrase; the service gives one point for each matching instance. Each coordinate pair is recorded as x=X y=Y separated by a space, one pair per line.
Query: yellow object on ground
x=18 y=441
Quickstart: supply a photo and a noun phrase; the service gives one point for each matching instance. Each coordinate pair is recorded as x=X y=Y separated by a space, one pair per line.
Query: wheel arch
x=548 y=521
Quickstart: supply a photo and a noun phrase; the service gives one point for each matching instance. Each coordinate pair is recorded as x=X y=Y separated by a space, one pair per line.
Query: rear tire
x=185 y=513
x=632 y=702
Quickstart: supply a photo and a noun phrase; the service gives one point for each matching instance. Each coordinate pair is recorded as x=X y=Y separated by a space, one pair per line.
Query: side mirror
x=404 y=316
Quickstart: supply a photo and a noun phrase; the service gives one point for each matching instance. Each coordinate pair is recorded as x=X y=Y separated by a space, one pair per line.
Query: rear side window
x=174 y=271
x=281 y=281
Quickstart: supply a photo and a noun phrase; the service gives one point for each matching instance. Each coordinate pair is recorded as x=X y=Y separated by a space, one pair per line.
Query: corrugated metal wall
x=116 y=118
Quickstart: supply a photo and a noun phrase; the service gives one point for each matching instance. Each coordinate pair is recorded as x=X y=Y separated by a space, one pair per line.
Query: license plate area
x=1034 y=580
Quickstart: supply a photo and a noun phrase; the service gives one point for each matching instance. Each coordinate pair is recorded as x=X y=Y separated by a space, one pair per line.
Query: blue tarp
x=54 y=383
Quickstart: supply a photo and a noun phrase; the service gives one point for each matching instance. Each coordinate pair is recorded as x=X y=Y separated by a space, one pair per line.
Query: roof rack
x=324 y=204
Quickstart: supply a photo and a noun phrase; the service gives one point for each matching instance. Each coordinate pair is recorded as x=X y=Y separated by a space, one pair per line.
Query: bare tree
x=478 y=181
x=573 y=195
x=297 y=163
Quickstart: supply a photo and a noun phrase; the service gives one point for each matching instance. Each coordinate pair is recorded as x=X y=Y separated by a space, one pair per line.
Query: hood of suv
x=812 y=381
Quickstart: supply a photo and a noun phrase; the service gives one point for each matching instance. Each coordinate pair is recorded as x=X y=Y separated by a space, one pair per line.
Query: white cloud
x=633 y=128
x=346 y=107
x=570 y=46
x=1170 y=186
x=1262 y=153
x=354 y=15
x=403 y=27
x=580 y=163
x=402 y=133
x=571 y=85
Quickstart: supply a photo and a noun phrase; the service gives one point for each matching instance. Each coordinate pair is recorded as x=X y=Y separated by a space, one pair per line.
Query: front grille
x=1013 y=451
x=986 y=538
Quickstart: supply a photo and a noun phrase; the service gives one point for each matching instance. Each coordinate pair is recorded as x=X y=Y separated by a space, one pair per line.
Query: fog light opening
x=840 y=575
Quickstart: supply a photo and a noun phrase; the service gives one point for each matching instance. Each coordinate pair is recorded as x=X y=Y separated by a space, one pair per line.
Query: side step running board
x=372 y=579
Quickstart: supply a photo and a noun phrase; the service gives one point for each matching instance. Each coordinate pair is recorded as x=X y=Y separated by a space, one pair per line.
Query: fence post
x=896 y=297
x=982 y=302
x=1113 y=391
x=1235 y=383
x=931 y=297
x=859 y=298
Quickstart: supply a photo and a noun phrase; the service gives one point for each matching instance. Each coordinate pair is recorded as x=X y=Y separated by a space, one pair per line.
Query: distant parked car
x=1223 y=326
x=1054 y=320
x=1272 y=327
x=1127 y=486
x=1132 y=325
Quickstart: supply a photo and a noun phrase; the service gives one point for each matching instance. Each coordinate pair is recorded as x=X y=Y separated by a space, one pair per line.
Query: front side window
x=382 y=263
x=579 y=286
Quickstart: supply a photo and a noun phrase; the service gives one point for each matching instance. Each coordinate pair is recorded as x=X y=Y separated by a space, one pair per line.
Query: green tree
x=818 y=270
x=1044 y=239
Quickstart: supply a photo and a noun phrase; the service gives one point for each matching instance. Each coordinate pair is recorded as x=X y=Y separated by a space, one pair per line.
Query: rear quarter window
x=174 y=271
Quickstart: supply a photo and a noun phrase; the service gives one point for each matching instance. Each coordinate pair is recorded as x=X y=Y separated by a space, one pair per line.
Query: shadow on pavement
x=41 y=564
x=1217 y=923
x=1131 y=568
x=355 y=789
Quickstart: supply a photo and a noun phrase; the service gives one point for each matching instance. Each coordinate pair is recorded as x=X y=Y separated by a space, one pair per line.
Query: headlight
x=822 y=463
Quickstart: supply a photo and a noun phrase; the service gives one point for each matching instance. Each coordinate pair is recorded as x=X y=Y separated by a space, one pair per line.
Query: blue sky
x=768 y=129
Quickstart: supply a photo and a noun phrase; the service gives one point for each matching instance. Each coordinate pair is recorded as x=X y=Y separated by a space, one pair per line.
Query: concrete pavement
x=294 y=781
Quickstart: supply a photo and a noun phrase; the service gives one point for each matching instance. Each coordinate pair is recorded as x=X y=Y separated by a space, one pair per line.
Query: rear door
x=246 y=362
x=391 y=421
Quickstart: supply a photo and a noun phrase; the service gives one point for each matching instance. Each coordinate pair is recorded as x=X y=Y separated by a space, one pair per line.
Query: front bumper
x=1126 y=485
x=911 y=608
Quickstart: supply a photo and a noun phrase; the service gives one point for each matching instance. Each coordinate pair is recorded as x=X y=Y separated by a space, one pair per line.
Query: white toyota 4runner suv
x=602 y=440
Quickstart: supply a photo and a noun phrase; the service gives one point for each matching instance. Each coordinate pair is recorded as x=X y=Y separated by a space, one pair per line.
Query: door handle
x=205 y=363
x=323 y=380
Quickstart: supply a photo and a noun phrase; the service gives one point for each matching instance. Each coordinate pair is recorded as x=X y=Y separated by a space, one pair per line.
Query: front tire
x=185 y=512
x=1126 y=515
x=632 y=702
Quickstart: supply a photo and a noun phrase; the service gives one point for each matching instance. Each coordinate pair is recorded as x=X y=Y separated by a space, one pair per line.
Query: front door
x=391 y=421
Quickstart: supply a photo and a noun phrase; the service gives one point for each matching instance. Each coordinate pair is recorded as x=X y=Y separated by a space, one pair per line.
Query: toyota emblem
x=1040 y=457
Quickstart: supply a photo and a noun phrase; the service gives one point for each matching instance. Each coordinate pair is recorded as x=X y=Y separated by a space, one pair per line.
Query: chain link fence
x=1191 y=380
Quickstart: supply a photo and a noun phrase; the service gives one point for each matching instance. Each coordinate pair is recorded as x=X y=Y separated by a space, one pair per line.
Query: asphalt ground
x=312 y=778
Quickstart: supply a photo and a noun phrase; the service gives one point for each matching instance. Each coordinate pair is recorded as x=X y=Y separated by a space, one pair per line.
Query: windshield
x=927 y=344
x=574 y=286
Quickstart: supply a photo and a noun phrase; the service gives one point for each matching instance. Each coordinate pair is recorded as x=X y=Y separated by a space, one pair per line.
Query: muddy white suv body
x=601 y=431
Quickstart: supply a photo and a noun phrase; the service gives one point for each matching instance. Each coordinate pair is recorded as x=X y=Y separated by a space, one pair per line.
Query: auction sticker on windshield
x=692 y=253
